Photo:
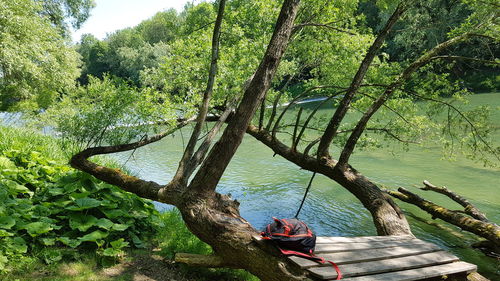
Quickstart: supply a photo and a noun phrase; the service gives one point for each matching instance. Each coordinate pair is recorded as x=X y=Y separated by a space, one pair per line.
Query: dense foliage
x=60 y=12
x=169 y=70
x=44 y=203
x=36 y=62
x=109 y=111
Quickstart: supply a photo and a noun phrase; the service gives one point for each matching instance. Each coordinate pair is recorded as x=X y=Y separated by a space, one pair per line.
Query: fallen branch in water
x=471 y=219
x=468 y=207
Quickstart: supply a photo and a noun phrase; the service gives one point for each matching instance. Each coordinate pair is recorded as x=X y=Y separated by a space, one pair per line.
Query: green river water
x=269 y=186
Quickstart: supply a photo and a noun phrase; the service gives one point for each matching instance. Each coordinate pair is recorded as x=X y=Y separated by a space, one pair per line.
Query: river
x=269 y=186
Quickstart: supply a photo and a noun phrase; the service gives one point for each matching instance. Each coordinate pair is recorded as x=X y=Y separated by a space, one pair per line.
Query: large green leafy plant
x=45 y=204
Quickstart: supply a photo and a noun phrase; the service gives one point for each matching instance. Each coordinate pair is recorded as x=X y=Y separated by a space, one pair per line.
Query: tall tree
x=36 y=63
x=60 y=12
x=215 y=217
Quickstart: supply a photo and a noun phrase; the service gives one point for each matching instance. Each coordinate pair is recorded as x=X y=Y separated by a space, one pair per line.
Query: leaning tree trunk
x=215 y=218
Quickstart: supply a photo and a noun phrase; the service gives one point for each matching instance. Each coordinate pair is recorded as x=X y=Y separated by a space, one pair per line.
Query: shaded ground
x=136 y=266
x=145 y=267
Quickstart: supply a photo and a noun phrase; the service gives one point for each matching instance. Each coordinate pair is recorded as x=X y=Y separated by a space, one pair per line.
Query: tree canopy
x=36 y=61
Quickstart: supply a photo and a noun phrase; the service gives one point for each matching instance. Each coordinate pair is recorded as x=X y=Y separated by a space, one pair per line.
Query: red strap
x=339 y=274
x=311 y=256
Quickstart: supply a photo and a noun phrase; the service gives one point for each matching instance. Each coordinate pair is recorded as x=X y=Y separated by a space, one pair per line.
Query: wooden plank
x=368 y=255
x=361 y=239
x=387 y=265
x=346 y=247
x=419 y=273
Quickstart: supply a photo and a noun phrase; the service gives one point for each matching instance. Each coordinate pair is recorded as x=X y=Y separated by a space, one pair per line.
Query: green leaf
x=5 y=163
x=4 y=233
x=15 y=188
x=62 y=202
x=52 y=256
x=71 y=187
x=94 y=236
x=7 y=222
x=48 y=241
x=19 y=245
x=118 y=244
x=36 y=228
x=73 y=243
x=109 y=204
x=111 y=252
x=114 y=213
x=84 y=203
x=3 y=261
x=80 y=195
x=56 y=191
x=137 y=242
x=104 y=223
x=120 y=227
x=81 y=222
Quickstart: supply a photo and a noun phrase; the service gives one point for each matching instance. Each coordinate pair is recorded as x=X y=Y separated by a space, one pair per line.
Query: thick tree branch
x=341 y=111
x=188 y=152
x=146 y=189
x=486 y=230
x=199 y=156
x=214 y=166
x=378 y=203
x=405 y=75
x=469 y=208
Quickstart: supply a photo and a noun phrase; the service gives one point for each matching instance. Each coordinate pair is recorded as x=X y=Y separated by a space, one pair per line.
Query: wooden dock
x=387 y=258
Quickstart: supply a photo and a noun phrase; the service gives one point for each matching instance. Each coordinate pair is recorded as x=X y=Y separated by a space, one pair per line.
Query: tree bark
x=468 y=207
x=183 y=169
x=213 y=217
x=486 y=230
x=219 y=157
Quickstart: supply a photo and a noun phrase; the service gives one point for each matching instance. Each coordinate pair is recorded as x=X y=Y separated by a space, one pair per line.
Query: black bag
x=293 y=237
x=291 y=234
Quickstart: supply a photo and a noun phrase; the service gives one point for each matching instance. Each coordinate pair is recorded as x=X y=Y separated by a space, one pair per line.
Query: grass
x=29 y=140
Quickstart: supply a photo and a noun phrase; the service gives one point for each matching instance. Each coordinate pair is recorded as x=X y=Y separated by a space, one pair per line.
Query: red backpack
x=293 y=237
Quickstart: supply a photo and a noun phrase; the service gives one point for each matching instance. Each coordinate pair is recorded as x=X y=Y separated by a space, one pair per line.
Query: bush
x=44 y=203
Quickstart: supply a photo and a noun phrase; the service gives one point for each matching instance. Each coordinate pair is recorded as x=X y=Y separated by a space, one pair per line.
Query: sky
x=111 y=15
